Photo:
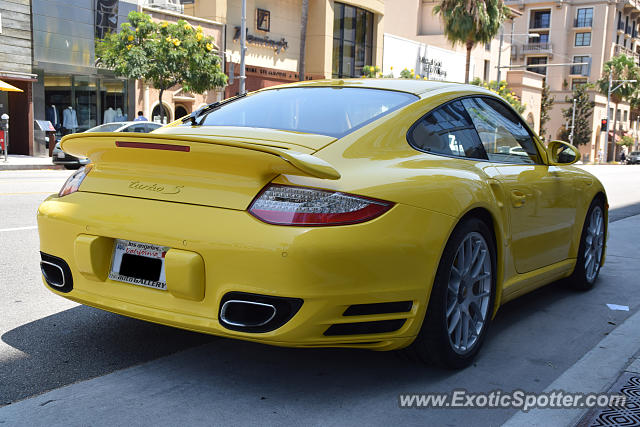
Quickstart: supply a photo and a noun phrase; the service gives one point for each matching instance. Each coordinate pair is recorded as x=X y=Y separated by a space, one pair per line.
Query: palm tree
x=303 y=38
x=620 y=67
x=469 y=22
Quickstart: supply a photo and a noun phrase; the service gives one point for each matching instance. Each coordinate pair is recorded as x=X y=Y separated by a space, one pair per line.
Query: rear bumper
x=392 y=258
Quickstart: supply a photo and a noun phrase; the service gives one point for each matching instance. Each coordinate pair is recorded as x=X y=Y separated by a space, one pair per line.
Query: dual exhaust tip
x=245 y=312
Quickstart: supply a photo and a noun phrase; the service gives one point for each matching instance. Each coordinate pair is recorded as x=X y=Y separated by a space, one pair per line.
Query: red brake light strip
x=153 y=146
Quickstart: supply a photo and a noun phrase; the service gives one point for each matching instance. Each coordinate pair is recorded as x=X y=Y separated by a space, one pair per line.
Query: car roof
x=414 y=86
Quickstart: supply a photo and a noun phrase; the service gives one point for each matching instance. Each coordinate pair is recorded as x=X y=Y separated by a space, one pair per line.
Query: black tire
x=72 y=167
x=433 y=344
x=581 y=279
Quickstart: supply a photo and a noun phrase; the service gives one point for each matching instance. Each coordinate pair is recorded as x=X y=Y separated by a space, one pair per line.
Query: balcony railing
x=618 y=49
x=583 y=22
x=536 y=48
x=582 y=70
x=540 y=23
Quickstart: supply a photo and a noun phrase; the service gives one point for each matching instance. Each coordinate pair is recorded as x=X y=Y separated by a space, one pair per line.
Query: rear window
x=320 y=110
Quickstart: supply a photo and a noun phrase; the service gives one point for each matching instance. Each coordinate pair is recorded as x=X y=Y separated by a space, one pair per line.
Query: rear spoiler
x=93 y=145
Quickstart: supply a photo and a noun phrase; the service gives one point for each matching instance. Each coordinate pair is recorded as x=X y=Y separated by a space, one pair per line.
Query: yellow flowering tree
x=163 y=54
x=503 y=90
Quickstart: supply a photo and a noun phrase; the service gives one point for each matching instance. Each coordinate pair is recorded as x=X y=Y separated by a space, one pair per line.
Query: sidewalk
x=20 y=162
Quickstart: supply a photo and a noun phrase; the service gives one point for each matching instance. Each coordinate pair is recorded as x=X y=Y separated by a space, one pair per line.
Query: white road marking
x=33 y=227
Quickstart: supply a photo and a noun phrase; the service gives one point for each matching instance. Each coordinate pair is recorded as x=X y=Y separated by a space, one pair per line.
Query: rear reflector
x=360 y=328
x=291 y=205
x=153 y=146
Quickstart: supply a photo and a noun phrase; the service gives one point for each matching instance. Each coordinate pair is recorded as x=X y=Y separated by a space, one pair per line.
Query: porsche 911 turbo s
x=380 y=214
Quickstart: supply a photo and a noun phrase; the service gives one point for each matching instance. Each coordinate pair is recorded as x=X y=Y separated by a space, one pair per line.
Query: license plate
x=139 y=264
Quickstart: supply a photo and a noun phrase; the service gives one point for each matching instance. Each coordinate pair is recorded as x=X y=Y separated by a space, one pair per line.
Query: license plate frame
x=137 y=263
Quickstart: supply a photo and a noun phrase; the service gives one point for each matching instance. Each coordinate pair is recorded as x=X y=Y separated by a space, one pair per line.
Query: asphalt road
x=47 y=342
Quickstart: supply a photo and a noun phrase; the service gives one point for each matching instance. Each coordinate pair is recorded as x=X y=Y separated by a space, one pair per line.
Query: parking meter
x=4 y=123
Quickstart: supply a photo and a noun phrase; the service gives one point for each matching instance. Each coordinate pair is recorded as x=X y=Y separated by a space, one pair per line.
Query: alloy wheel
x=594 y=243
x=468 y=293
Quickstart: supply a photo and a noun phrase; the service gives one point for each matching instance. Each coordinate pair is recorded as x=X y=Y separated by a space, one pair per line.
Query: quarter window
x=504 y=137
x=447 y=130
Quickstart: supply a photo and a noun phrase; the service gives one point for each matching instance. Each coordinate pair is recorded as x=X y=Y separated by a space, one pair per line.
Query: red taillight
x=290 y=205
x=73 y=182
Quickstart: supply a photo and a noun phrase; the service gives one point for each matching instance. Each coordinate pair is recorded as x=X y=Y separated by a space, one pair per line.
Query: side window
x=504 y=137
x=136 y=128
x=151 y=127
x=447 y=130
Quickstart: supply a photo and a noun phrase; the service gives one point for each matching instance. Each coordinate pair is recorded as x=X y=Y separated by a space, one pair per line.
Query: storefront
x=19 y=107
x=15 y=69
x=71 y=92
x=89 y=100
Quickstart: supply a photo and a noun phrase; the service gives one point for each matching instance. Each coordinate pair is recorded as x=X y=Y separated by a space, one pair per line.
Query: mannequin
x=51 y=115
x=109 y=115
x=69 y=120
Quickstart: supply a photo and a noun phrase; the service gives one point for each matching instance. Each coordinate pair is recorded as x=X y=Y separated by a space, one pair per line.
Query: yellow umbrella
x=8 y=88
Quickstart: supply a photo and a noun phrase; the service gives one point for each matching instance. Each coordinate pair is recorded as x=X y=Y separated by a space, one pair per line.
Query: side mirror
x=562 y=153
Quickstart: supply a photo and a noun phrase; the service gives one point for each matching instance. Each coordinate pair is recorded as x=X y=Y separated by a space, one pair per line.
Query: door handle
x=518 y=198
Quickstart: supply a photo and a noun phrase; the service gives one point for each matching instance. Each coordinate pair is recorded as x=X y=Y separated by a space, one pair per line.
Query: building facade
x=342 y=37
x=414 y=40
x=71 y=91
x=15 y=69
x=414 y=21
x=581 y=31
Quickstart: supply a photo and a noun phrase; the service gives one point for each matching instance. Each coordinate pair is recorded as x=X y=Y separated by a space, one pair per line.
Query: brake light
x=73 y=182
x=290 y=205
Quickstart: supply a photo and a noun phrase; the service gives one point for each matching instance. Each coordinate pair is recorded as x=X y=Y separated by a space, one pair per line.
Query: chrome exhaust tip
x=56 y=273
x=246 y=314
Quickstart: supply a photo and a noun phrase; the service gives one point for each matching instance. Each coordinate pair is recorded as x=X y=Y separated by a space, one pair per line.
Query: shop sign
x=433 y=67
x=277 y=45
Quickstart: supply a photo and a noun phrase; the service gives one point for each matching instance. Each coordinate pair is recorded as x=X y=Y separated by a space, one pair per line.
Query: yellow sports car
x=377 y=214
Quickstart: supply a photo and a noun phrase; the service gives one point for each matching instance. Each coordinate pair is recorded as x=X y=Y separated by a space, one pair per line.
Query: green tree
x=163 y=54
x=619 y=67
x=627 y=141
x=584 y=112
x=546 y=103
x=503 y=90
x=470 y=22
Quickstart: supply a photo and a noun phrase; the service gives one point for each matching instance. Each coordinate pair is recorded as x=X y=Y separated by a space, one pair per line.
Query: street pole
x=573 y=121
x=500 y=54
x=606 y=138
x=5 y=126
x=243 y=46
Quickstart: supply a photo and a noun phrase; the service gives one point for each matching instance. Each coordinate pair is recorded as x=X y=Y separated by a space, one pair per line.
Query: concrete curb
x=596 y=371
x=8 y=167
